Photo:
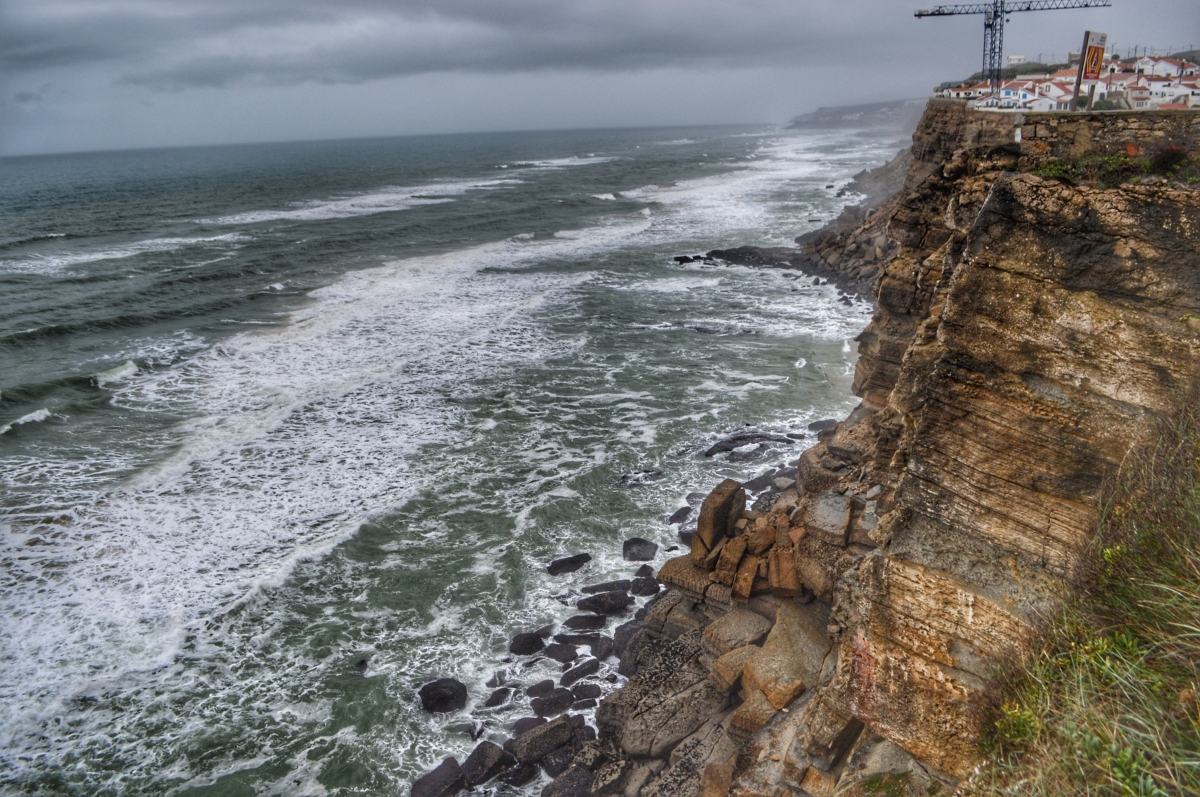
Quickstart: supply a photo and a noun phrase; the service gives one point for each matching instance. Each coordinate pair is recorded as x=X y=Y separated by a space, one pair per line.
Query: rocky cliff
x=1028 y=331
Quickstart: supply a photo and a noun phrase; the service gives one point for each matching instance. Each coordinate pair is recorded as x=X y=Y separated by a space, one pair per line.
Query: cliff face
x=1028 y=333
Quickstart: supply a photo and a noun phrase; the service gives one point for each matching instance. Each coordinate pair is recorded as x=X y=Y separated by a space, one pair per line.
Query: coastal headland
x=1037 y=315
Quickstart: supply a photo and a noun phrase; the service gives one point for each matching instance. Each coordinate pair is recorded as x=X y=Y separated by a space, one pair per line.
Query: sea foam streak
x=297 y=437
x=54 y=263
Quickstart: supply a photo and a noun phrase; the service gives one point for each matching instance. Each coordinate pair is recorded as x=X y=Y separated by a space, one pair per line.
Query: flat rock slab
x=531 y=746
x=568 y=564
x=443 y=695
x=445 y=780
x=585 y=622
x=486 y=761
x=519 y=775
x=554 y=703
x=580 y=671
x=637 y=549
x=668 y=698
x=526 y=644
x=606 y=602
x=575 y=782
x=645 y=587
x=736 y=629
x=791 y=658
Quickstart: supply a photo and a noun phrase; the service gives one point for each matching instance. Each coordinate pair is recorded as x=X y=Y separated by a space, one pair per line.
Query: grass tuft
x=1107 y=703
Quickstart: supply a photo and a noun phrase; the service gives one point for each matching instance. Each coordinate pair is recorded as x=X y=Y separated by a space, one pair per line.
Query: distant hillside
x=897 y=115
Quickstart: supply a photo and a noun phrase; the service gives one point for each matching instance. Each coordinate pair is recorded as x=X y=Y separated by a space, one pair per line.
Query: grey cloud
x=218 y=43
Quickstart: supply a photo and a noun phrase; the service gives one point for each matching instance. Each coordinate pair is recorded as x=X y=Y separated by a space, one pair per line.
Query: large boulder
x=606 y=602
x=736 y=629
x=790 y=660
x=556 y=702
x=526 y=644
x=486 y=761
x=443 y=695
x=579 y=672
x=637 y=549
x=620 y=585
x=720 y=510
x=531 y=746
x=445 y=780
x=568 y=564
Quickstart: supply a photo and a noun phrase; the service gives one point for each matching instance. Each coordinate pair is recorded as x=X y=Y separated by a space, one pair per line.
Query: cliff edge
x=1029 y=331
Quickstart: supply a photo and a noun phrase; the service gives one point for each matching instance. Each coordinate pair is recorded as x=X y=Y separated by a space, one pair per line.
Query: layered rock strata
x=1027 y=333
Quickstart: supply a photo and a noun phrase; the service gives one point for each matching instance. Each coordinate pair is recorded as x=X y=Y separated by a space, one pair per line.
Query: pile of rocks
x=558 y=737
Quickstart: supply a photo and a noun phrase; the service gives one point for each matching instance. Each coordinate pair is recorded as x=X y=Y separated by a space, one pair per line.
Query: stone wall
x=1069 y=136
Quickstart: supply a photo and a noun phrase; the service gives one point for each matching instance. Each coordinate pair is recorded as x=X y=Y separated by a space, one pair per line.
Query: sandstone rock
x=743 y=580
x=754 y=713
x=611 y=778
x=710 y=744
x=445 y=780
x=718 y=513
x=761 y=538
x=739 y=628
x=525 y=644
x=486 y=761
x=606 y=602
x=878 y=766
x=727 y=670
x=443 y=695
x=621 y=585
x=568 y=564
x=531 y=746
x=790 y=660
x=666 y=700
x=575 y=782
x=637 y=549
x=686 y=575
x=784 y=580
x=727 y=564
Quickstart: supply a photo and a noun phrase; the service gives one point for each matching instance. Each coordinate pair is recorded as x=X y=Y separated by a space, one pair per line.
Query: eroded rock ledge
x=1027 y=333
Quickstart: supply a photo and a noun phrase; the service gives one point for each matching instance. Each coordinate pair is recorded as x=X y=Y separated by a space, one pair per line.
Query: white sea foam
x=116 y=373
x=37 y=416
x=57 y=263
x=384 y=200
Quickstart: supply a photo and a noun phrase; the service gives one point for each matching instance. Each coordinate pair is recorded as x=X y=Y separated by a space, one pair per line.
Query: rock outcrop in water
x=1028 y=331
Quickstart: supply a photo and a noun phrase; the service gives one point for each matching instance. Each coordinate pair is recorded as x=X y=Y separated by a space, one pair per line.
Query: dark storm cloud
x=190 y=43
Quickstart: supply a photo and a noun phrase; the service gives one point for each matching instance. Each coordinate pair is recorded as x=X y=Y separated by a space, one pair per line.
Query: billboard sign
x=1094 y=47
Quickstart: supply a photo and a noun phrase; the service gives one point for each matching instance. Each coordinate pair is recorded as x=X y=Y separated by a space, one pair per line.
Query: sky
x=79 y=75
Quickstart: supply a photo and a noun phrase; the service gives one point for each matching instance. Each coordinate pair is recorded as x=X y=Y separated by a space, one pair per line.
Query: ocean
x=268 y=411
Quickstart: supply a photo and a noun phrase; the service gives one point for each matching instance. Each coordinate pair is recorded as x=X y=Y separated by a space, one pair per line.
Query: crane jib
x=993 y=25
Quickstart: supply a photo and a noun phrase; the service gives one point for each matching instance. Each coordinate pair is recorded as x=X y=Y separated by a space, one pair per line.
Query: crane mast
x=994 y=14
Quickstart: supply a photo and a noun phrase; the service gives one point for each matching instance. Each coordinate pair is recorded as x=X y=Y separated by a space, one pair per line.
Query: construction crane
x=994 y=13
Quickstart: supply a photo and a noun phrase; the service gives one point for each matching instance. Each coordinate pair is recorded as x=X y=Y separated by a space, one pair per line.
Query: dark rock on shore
x=541 y=688
x=556 y=702
x=561 y=653
x=557 y=762
x=580 y=671
x=600 y=645
x=606 y=602
x=624 y=634
x=526 y=644
x=821 y=426
x=531 y=746
x=637 y=549
x=621 y=585
x=498 y=698
x=645 y=571
x=445 y=780
x=586 y=622
x=644 y=587
x=745 y=439
x=680 y=515
x=443 y=695
x=575 y=782
x=486 y=761
x=568 y=564
x=641 y=477
x=585 y=691
x=519 y=775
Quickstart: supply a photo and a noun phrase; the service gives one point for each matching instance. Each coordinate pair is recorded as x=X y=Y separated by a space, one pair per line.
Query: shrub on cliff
x=1107 y=705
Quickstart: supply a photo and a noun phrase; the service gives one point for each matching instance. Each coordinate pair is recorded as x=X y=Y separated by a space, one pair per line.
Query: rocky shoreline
x=837 y=637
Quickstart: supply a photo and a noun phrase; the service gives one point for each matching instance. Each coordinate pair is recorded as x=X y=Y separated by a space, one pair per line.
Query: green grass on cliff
x=1108 y=703
x=1171 y=163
